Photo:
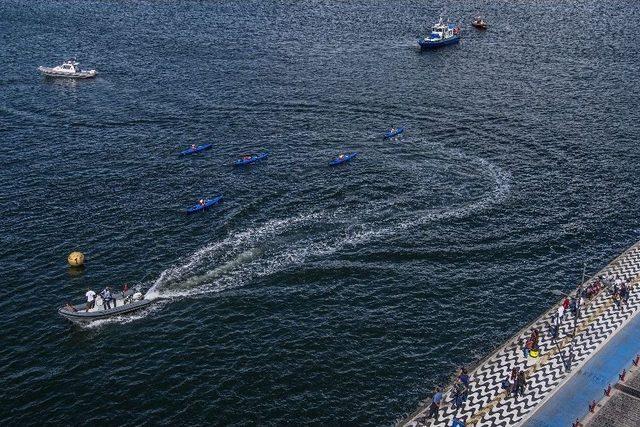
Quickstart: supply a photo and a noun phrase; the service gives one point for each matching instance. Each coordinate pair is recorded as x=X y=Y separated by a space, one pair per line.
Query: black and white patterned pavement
x=488 y=405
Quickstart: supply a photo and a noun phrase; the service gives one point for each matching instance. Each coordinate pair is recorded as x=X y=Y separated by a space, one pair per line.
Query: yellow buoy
x=75 y=259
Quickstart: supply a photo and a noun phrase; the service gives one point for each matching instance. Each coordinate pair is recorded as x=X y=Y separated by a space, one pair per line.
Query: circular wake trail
x=242 y=257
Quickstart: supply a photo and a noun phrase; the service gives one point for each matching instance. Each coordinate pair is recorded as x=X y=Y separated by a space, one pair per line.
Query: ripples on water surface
x=312 y=295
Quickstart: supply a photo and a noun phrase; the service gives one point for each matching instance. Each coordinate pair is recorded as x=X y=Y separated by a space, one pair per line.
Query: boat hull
x=48 y=72
x=428 y=44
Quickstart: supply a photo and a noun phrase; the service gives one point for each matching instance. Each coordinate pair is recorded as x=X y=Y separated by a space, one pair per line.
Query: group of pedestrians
x=620 y=289
x=568 y=305
x=459 y=393
x=460 y=389
x=516 y=383
x=594 y=288
x=572 y=305
x=620 y=294
x=531 y=345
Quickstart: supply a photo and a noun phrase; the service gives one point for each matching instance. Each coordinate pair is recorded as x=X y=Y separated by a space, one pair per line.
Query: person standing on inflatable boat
x=91 y=300
x=106 y=298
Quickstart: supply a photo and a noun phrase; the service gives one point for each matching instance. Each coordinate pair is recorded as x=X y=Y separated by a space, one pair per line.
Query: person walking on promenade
x=617 y=300
x=464 y=377
x=619 y=281
x=528 y=346
x=436 y=401
x=624 y=293
x=555 y=326
x=521 y=383
x=560 y=312
x=459 y=394
x=514 y=377
x=565 y=303
x=609 y=278
x=535 y=337
x=506 y=386
x=573 y=307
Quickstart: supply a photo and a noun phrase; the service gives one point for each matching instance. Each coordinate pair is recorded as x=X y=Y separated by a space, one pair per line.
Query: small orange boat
x=479 y=23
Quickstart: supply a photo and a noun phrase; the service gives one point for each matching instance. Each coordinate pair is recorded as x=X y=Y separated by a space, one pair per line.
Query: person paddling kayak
x=342 y=158
x=202 y=204
x=393 y=132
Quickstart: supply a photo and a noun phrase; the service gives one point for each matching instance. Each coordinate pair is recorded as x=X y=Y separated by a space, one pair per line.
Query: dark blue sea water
x=313 y=295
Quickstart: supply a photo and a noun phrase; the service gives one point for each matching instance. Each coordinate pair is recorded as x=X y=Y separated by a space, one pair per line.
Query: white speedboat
x=70 y=69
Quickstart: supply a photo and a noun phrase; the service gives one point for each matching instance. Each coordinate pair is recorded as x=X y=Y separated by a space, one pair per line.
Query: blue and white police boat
x=442 y=34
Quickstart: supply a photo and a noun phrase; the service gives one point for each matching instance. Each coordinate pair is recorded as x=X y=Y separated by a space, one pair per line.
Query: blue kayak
x=247 y=160
x=207 y=204
x=198 y=149
x=393 y=132
x=343 y=158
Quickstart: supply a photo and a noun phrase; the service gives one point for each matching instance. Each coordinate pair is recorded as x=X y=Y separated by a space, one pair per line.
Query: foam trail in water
x=296 y=255
x=182 y=276
x=498 y=194
x=191 y=284
x=239 y=258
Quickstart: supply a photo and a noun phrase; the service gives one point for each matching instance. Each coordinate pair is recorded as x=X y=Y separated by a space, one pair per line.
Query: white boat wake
x=242 y=257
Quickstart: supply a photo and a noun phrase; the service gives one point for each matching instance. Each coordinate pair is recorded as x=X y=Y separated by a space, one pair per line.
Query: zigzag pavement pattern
x=488 y=405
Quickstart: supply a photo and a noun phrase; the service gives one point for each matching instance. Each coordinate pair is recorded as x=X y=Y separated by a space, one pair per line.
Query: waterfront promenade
x=572 y=401
x=488 y=404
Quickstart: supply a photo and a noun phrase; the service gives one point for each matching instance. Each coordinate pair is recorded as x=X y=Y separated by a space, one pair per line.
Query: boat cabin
x=443 y=31
x=71 y=66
